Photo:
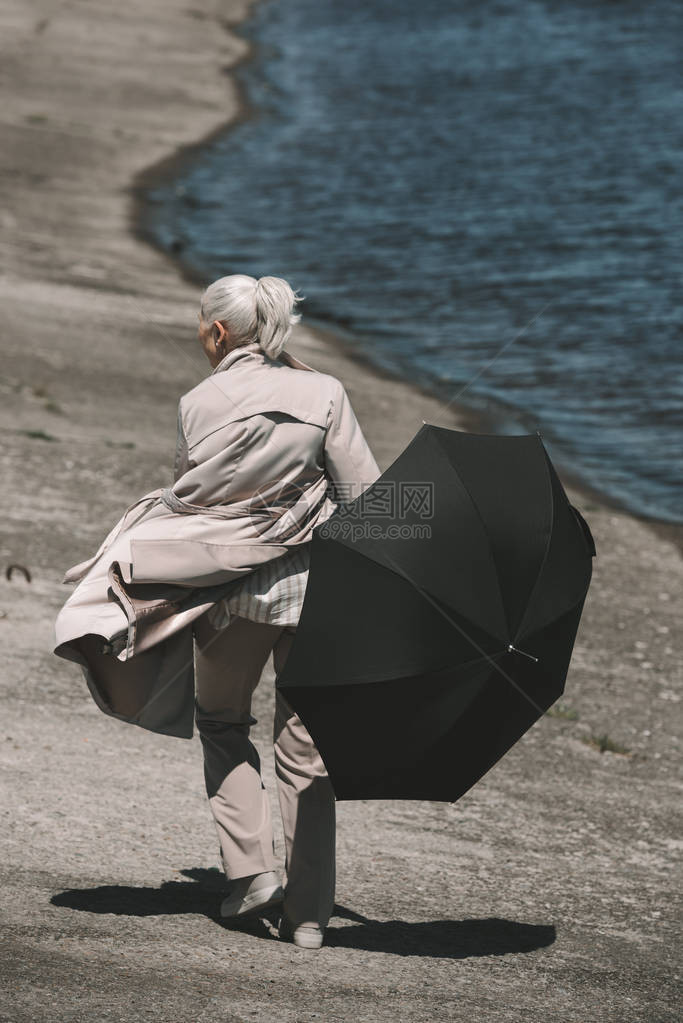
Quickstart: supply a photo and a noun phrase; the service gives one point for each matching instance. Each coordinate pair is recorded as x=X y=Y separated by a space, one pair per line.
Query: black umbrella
x=440 y=615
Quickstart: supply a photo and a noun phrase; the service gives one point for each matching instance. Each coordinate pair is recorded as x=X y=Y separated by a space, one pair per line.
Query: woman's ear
x=219 y=331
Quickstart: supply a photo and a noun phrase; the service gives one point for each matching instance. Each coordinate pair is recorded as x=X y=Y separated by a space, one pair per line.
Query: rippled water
x=456 y=183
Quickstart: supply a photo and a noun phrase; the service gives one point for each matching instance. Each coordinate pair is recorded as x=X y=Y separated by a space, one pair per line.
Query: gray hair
x=253 y=310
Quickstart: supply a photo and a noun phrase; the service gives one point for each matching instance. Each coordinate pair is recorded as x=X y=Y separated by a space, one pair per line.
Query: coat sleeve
x=349 y=462
x=181 y=462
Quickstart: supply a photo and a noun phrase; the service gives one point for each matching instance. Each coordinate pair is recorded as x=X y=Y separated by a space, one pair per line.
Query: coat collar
x=237 y=353
x=254 y=348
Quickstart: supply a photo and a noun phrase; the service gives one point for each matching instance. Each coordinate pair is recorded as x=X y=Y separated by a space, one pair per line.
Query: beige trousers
x=228 y=667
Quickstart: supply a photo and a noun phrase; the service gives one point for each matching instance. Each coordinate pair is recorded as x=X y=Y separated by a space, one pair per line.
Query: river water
x=484 y=196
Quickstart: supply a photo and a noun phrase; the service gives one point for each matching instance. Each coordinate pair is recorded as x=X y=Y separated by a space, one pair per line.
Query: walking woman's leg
x=307 y=804
x=228 y=667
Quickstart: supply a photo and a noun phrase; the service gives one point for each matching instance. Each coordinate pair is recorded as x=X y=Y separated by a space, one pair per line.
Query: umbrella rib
x=448 y=618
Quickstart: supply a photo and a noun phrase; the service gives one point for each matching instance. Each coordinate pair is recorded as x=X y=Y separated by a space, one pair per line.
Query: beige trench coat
x=260 y=441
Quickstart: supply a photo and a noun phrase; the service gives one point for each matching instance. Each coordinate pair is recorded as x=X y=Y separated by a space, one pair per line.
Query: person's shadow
x=437 y=939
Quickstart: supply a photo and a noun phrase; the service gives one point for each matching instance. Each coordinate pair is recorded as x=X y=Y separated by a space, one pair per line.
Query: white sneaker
x=253 y=894
x=305 y=935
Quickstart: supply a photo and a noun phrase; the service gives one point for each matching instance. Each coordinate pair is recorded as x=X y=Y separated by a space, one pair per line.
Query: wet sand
x=547 y=891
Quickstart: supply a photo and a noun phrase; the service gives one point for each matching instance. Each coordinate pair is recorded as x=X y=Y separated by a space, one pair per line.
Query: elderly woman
x=180 y=608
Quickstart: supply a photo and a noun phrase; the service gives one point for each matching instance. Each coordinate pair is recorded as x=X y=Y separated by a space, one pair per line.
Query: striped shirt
x=273 y=593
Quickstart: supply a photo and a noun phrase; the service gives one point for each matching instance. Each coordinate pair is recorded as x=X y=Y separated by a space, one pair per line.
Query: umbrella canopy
x=440 y=615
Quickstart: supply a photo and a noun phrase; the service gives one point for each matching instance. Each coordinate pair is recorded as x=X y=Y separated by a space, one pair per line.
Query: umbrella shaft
x=511 y=647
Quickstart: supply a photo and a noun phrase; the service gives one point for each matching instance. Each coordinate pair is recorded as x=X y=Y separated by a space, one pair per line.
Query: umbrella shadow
x=439 y=939
x=202 y=893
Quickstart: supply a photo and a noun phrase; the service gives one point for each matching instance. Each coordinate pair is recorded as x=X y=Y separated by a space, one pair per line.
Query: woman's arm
x=181 y=462
x=349 y=461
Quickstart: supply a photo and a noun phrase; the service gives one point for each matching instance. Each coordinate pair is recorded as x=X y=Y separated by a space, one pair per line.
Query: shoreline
x=466 y=417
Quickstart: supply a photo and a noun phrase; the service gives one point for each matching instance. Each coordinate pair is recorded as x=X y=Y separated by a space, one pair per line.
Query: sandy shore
x=547 y=892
